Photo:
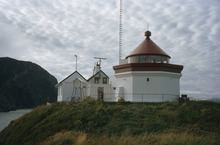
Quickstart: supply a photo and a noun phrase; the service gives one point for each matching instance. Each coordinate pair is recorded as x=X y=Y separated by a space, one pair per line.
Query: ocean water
x=7 y=117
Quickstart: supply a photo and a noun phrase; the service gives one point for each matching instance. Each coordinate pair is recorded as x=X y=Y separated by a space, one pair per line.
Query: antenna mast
x=120 y=29
x=76 y=61
x=100 y=59
x=97 y=66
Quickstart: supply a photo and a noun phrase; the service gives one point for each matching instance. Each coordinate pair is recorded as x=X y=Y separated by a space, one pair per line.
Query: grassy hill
x=96 y=123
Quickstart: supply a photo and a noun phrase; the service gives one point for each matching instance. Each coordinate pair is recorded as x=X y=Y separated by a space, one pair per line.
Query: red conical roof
x=148 y=47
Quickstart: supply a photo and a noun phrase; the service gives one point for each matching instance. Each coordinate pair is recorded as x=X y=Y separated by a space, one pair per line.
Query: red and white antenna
x=120 y=30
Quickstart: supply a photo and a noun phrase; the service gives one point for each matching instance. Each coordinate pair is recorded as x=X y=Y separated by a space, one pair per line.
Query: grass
x=170 y=138
x=92 y=122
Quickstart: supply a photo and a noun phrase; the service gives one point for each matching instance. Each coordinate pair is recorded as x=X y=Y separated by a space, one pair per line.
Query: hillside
x=24 y=85
x=96 y=123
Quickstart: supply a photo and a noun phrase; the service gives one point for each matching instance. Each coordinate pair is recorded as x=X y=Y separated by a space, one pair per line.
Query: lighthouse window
x=142 y=59
x=148 y=79
x=165 y=61
x=148 y=59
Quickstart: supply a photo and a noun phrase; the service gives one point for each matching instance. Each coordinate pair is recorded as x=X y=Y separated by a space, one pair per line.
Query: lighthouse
x=146 y=75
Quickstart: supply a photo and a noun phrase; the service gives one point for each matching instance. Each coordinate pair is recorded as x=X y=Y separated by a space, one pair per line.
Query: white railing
x=123 y=61
x=138 y=97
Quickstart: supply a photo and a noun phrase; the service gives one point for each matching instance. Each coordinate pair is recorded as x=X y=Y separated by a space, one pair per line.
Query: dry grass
x=170 y=138
x=156 y=139
x=66 y=138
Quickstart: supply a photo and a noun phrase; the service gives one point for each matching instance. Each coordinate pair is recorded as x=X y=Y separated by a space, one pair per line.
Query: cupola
x=147 y=56
x=148 y=52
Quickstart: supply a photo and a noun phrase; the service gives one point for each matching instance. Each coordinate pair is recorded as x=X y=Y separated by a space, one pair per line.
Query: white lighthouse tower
x=147 y=76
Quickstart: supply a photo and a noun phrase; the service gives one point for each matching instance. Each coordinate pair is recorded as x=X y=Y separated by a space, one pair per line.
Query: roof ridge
x=70 y=76
x=97 y=73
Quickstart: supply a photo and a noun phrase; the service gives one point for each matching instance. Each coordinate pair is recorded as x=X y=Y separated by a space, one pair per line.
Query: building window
x=104 y=80
x=96 y=80
x=142 y=59
x=148 y=79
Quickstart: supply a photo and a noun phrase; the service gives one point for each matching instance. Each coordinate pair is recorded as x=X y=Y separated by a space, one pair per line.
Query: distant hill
x=215 y=100
x=24 y=85
x=97 y=123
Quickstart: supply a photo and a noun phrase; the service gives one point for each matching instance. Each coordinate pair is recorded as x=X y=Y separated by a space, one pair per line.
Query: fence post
x=142 y=98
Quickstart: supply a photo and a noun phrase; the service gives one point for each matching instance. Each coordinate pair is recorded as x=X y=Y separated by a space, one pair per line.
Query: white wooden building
x=145 y=75
x=75 y=87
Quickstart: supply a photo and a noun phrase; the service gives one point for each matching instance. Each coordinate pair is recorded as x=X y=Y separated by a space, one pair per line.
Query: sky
x=51 y=32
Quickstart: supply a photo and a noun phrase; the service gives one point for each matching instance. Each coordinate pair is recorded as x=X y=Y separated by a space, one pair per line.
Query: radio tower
x=120 y=30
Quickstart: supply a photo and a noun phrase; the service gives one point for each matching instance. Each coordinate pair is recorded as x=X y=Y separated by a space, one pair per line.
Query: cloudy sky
x=50 y=32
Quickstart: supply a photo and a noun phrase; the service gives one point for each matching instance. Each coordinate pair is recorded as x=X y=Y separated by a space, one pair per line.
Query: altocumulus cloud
x=50 y=32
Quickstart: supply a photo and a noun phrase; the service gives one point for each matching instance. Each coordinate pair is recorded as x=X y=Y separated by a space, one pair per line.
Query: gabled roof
x=148 y=47
x=70 y=76
x=96 y=74
x=81 y=80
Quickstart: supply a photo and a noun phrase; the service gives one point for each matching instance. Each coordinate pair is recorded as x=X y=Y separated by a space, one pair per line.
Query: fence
x=138 y=97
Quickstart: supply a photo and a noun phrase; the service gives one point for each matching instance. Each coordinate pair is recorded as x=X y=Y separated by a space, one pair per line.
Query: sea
x=7 y=117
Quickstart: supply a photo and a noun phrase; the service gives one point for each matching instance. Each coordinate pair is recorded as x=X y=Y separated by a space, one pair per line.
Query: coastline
x=7 y=117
